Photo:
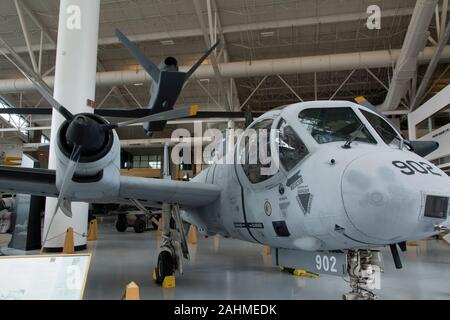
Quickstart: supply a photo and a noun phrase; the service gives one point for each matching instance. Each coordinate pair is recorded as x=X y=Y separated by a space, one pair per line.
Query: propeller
x=82 y=135
x=34 y=78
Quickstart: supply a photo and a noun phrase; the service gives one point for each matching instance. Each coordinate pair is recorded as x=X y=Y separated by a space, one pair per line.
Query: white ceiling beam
x=38 y=23
x=431 y=68
x=244 y=69
x=267 y=25
x=414 y=43
x=444 y=15
x=253 y=92
x=26 y=35
x=233 y=97
x=290 y=88
x=342 y=84
x=212 y=57
x=52 y=40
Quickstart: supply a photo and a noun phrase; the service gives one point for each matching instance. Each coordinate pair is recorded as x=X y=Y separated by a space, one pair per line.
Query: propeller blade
x=149 y=66
x=34 y=78
x=70 y=171
x=200 y=61
x=66 y=208
x=162 y=116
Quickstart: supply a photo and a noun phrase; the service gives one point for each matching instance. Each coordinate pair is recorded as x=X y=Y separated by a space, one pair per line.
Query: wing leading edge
x=41 y=182
x=189 y=194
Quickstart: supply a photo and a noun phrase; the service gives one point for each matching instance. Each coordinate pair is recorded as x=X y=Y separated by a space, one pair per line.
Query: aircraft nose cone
x=379 y=200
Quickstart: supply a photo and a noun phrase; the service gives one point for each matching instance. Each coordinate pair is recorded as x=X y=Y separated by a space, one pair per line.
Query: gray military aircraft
x=347 y=184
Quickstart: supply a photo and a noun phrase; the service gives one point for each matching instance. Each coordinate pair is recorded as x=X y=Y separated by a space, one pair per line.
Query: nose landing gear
x=364 y=269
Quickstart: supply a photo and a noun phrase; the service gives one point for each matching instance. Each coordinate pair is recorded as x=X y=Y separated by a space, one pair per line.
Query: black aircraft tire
x=139 y=226
x=121 y=223
x=165 y=266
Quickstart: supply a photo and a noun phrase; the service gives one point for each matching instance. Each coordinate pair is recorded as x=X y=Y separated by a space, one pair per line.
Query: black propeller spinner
x=90 y=133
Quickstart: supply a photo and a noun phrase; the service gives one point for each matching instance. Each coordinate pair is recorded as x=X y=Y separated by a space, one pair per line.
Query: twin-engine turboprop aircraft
x=345 y=183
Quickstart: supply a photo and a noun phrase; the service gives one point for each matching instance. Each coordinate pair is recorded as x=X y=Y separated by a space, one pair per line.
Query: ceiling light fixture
x=267 y=34
x=167 y=42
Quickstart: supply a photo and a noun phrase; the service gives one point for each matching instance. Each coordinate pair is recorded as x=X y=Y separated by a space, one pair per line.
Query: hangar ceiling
x=252 y=29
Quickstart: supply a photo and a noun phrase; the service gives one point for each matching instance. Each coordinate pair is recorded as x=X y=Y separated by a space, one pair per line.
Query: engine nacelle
x=169 y=64
x=97 y=176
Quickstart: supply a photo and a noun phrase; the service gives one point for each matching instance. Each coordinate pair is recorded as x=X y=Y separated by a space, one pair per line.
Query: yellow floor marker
x=266 y=250
x=300 y=273
x=93 y=230
x=69 y=247
x=305 y=274
x=446 y=238
x=132 y=292
x=193 y=234
x=168 y=282
x=159 y=230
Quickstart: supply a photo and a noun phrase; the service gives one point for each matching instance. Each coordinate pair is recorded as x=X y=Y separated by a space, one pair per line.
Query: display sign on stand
x=44 y=277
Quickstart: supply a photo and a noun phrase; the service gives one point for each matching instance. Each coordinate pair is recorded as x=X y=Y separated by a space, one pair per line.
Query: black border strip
x=244 y=213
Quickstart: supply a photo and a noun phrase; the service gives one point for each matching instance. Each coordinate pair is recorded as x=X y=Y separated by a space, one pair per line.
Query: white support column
x=26 y=34
x=76 y=59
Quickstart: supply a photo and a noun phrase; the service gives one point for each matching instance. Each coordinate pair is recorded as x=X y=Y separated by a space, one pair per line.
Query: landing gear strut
x=174 y=245
x=364 y=269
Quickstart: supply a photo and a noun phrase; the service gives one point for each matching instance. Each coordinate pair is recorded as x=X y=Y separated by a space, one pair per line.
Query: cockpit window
x=250 y=154
x=334 y=124
x=386 y=132
x=291 y=148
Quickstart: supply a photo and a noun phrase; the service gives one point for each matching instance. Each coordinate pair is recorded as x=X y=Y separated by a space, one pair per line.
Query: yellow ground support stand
x=305 y=274
x=301 y=273
x=168 y=282
x=193 y=234
x=93 y=230
x=159 y=230
x=132 y=292
x=446 y=238
x=266 y=250
x=69 y=247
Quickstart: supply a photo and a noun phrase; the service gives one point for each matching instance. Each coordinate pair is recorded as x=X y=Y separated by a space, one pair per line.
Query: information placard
x=44 y=277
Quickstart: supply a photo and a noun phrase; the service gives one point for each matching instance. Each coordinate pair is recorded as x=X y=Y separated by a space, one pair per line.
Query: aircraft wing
x=41 y=182
x=190 y=194
x=37 y=182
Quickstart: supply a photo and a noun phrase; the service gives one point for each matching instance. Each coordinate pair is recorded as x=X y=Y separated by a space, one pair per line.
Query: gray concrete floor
x=231 y=269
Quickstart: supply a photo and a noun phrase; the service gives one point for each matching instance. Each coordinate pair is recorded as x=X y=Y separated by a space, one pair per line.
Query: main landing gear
x=173 y=248
x=364 y=269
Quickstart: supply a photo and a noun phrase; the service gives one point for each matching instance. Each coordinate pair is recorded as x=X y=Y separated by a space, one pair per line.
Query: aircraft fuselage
x=368 y=195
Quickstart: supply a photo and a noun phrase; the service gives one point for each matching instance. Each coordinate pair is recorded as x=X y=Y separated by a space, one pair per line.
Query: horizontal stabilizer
x=149 y=66
x=200 y=61
x=363 y=102
x=164 y=116
x=131 y=113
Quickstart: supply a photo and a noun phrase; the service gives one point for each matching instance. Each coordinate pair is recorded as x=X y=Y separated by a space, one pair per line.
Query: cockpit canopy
x=297 y=130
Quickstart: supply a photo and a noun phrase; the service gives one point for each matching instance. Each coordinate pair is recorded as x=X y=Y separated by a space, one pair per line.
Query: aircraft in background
x=167 y=81
x=347 y=184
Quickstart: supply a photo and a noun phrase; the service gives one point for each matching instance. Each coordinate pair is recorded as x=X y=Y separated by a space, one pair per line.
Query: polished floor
x=231 y=269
